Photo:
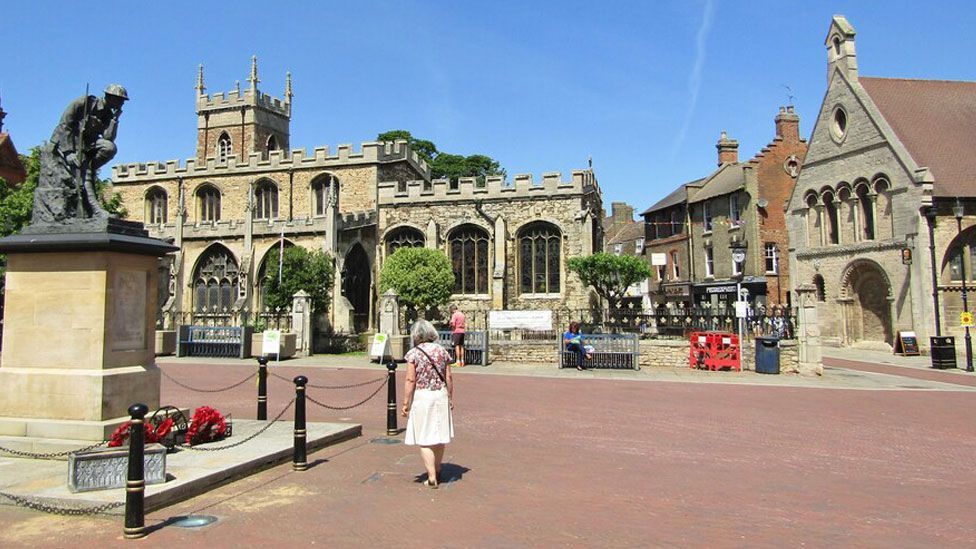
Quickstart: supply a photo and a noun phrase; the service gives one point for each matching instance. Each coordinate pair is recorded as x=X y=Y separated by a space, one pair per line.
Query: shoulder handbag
x=432 y=364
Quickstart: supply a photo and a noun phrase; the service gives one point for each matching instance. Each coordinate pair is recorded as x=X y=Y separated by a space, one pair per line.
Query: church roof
x=936 y=122
x=11 y=168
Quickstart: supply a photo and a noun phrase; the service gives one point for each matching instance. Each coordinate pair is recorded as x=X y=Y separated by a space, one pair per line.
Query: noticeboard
x=380 y=347
x=906 y=344
x=271 y=342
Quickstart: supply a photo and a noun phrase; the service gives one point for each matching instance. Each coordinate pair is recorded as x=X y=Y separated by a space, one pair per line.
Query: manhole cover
x=194 y=521
x=384 y=440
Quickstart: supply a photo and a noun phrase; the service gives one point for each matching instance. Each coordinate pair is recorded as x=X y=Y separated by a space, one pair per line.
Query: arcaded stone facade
x=233 y=204
x=883 y=154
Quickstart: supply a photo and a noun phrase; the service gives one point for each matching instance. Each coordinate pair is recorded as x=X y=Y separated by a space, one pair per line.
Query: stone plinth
x=78 y=333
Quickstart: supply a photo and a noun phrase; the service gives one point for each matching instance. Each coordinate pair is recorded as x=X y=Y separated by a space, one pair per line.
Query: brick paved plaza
x=577 y=461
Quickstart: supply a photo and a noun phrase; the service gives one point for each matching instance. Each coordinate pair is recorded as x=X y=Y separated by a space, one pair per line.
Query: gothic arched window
x=469 y=256
x=322 y=188
x=216 y=281
x=156 y=206
x=867 y=212
x=272 y=143
x=403 y=237
x=539 y=258
x=265 y=200
x=223 y=147
x=208 y=203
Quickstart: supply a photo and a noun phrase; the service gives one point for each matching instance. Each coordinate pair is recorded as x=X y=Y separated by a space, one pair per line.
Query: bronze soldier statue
x=83 y=141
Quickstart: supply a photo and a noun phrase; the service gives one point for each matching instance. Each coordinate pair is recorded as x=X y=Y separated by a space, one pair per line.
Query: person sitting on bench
x=574 y=344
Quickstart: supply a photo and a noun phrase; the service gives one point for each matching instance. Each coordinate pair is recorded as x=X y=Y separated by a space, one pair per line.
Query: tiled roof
x=728 y=179
x=11 y=168
x=936 y=121
x=676 y=197
x=628 y=233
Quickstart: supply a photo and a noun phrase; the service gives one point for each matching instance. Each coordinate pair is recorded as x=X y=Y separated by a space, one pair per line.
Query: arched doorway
x=866 y=293
x=356 y=284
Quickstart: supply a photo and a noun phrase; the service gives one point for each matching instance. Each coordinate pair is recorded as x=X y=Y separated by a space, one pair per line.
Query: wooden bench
x=475 y=347
x=610 y=351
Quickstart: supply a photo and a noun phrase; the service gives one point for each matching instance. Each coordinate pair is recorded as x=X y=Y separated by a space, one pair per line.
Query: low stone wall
x=654 y=353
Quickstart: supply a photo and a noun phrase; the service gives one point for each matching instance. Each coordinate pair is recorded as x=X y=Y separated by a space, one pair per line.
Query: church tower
x=242 y=122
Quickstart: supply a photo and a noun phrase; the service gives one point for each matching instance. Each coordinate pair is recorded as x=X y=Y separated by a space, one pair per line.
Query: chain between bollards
x=262 y=388
x=298 y=461
x=135 y=484
x=391 y=400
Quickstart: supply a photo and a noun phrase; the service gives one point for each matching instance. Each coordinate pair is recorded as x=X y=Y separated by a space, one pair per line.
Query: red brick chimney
x=728 y=150
x=788 y=124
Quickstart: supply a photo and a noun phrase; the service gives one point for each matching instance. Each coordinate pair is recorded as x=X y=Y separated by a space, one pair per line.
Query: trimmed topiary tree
x=423 y=277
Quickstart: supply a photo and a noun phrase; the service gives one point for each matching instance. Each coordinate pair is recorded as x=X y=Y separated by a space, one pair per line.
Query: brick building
x=739 y=205
x=229 y=208
x=625 y=236
x=883 y=155
x=11 y=168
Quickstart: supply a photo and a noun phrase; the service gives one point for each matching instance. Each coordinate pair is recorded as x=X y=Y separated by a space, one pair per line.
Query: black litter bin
x=767 y=355
x=943 y=351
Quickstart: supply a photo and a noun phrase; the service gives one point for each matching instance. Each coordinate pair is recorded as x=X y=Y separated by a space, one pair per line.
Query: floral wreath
x=153 y=434
x=207 y=425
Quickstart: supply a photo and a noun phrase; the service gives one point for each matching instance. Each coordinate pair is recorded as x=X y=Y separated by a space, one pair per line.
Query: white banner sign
x=525 y=320
x=271 y=342
x=659 y=259
x=380 y=347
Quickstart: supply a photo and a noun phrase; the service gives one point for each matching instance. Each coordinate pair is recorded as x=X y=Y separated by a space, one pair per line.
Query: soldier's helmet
x=117 y=91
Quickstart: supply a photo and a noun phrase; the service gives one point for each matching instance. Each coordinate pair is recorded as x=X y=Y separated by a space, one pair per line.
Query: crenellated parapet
x=237 y=99
x=299 y=159
x=356 y=220
x=491 y=187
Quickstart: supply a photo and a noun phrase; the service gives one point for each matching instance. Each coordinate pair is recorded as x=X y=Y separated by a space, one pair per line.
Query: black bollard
x=263 y=388
x=298 y=462
x=391 y=400
x=135 y=484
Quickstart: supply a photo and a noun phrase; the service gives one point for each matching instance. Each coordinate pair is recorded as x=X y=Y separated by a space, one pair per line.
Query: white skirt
x=430 y=421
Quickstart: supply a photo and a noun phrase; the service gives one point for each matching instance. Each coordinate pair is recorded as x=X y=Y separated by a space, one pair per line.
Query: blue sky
x=644 y=88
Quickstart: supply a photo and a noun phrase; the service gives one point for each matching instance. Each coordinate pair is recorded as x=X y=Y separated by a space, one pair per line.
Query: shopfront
x=722 y=294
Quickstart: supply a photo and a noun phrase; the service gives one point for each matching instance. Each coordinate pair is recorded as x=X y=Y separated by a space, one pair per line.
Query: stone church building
x=887 y=157
x=245 y=192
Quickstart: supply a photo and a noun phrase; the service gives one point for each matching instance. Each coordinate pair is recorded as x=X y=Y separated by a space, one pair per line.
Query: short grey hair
x=422 y=331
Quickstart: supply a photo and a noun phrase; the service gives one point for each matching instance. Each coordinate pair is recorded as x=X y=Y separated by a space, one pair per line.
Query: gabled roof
x=677 y=196
x=11 y=168
x=936 y=122
x=628 y=233
x=726 y=180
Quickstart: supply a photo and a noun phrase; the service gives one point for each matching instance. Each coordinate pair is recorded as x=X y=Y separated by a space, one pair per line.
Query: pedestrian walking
x=428 y=398
x=573 y=341
x=457 y=335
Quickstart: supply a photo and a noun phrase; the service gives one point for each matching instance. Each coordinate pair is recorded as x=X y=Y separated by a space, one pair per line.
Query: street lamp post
x=958 y=211
x=738 y=259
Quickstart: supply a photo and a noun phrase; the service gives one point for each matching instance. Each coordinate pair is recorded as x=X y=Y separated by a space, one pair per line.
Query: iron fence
x=260 y=320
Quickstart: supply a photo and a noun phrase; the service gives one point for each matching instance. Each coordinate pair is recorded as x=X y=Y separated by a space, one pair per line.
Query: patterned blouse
x=426 y=377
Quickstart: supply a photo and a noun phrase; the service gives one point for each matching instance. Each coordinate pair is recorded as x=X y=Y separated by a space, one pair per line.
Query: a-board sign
x=906 y=344
x=380 y=347
x=271 y=342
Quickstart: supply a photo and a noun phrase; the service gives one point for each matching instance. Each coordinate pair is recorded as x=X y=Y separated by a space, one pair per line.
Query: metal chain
x=351 y=386
x=42 y=455
x=71 y=511
x=242 y=441
x=238 y=384
x=339 y=408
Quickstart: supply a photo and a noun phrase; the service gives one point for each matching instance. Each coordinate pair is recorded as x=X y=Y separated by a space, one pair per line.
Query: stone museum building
x=246 y=191
x=887 y=157
x=691 y=232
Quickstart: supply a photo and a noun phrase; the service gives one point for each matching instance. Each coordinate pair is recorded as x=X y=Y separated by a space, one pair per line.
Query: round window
x=838 y=128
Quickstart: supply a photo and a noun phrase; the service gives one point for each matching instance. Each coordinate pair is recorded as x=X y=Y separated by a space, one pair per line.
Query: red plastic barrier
x=715 y=351
x=698 y=350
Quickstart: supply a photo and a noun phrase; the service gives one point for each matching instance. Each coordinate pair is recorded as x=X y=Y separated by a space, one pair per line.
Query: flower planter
x=289 y=341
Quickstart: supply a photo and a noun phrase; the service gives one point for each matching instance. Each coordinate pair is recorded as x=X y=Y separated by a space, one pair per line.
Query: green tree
x=610 y=274
x=446 y=165
x=423 y=277
x=17 y=201
x=301 y=269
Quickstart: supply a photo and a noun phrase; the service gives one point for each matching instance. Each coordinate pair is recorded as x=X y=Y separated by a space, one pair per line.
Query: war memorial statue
x=83 y=141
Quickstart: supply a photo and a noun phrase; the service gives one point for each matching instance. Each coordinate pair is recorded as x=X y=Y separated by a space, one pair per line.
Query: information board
x=525 y=320
x=271 y=342
x=906 y=344
x=380 y=347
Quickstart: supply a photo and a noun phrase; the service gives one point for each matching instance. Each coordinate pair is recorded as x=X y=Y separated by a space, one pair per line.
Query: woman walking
x=428 y=398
